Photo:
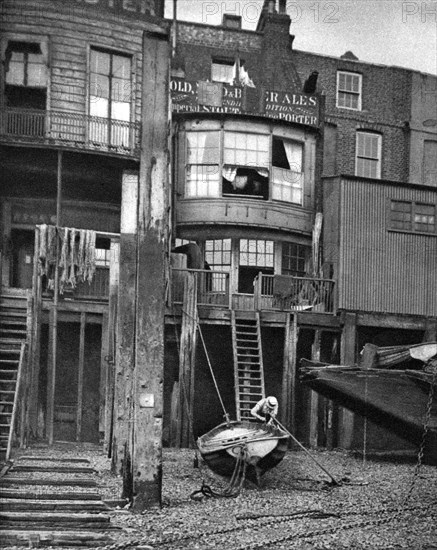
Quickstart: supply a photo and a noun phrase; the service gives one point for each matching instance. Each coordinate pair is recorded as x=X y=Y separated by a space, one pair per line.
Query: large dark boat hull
x=394 y=399
x=263 y=448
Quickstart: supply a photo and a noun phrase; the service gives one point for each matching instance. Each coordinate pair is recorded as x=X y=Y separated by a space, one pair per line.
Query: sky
x=390 y=32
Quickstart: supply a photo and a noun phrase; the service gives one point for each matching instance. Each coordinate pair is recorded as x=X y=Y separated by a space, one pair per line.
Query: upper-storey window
x=368 y=155
x=203 y=157
x=25 y=75
x=223 y=71
x=287 y=170
x=413 y=216
x=349 y=90
x=246 y=164
x=110 y=97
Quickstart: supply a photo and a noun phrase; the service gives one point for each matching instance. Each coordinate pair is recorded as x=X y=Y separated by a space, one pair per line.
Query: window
x=223 y=71
x=287 y=172
x=218 y=258
x=246 y=164
x=25 y=76
x=295 y=258
x=349 y=90
x=255 y=256
x=413 y=216
x=203 y=155
x=256 y=252
x=110 y=97
x=368 y=155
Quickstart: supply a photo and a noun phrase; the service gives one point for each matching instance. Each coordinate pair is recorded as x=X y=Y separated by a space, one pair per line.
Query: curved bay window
x=249 y=164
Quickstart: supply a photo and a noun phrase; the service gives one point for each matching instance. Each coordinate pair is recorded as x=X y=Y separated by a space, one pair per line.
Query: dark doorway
x=247 y=275
x=22 y=258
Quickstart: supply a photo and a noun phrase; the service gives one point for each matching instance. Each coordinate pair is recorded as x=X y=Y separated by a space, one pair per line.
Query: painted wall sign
x=132 y=8
x=210 y=97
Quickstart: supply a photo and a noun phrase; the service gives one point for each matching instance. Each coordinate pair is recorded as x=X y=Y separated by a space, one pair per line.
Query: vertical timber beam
x=114 y=270
x=288 y=407
x=152 y=272
x=53 y=338
x=313 y=405
x=125 y=332
x=348 y=345
x=80 y=376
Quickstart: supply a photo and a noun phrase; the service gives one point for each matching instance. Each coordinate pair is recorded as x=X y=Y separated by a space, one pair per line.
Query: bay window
x=250 y=165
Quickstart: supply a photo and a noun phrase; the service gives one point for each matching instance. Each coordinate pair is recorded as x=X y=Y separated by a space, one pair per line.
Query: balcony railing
x=71 y=130
x=271 y=292
x=287 y=293
x=212 y=287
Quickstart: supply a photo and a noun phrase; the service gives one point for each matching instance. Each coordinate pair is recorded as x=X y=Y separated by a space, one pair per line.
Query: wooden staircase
x=43 y=502
x=13 y=336
x=248 y=363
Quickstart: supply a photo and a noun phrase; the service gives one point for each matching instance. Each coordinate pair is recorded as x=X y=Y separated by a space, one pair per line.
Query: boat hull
x=263 y=448
x=394 y=399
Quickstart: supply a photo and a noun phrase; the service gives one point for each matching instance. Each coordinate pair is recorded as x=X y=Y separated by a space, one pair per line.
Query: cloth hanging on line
x=77 y=255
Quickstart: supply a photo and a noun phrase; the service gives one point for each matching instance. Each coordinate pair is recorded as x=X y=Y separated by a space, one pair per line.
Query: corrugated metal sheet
x=381 y=270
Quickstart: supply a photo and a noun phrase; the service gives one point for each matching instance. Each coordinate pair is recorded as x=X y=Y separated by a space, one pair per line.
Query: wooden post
x=80 y=375
x=152 y=271
x=313 y=404
x=54 y=311
x=288 y=405
x=348 y=357
x=187 y=357
x=109 y=359
x=125 y=332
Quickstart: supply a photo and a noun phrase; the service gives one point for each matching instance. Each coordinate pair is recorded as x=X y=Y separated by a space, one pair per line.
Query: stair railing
x=18 y=385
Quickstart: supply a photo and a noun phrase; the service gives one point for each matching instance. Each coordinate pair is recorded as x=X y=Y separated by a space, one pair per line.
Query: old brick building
x=302 y=210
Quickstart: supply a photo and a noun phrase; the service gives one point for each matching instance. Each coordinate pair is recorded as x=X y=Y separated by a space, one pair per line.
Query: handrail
x=71 y=129
x=15 y=404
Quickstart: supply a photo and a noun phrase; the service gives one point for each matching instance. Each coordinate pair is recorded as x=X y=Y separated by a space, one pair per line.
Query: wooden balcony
x=70 y=130
x=271 y=292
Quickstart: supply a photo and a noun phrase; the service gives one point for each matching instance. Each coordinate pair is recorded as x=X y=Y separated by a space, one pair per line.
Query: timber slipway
x=54 y=501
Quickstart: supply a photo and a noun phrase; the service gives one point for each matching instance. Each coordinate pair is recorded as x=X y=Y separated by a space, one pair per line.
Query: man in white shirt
x=266 y=409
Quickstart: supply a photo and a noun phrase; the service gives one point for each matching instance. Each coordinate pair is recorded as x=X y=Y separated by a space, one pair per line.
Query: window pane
x=121 y=67
x=223 y=72
x=242 y=149
x=100 y=62
x=202 y=181
x=368 y=162
x=203 y=147
x=99 y=106
x=121 y=90
x=36 y=75
x=120 y=111
x=258 y=253
x=348 y=90
x=99 y=86
x=15 y=74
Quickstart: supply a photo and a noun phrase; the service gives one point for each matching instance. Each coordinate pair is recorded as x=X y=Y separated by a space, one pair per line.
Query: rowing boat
x=261 y=447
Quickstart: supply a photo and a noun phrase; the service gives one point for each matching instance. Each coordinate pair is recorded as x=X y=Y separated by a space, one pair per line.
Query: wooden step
x=79 y=482
x=55 y=539
x=19 y=467
x=48 y=458
x=70 y=495
x=59 y=505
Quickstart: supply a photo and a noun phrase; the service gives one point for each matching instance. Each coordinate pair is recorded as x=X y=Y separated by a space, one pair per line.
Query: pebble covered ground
x=295 y=508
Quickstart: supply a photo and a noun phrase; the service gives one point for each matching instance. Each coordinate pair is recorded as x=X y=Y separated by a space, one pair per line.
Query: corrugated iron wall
x=381 y=270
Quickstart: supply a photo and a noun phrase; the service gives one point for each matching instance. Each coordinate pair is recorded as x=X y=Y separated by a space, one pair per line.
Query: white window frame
x=350 y=92
x=370 y=158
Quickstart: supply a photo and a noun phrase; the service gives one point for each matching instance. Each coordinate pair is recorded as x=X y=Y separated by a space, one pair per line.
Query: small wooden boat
x=262 y=448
